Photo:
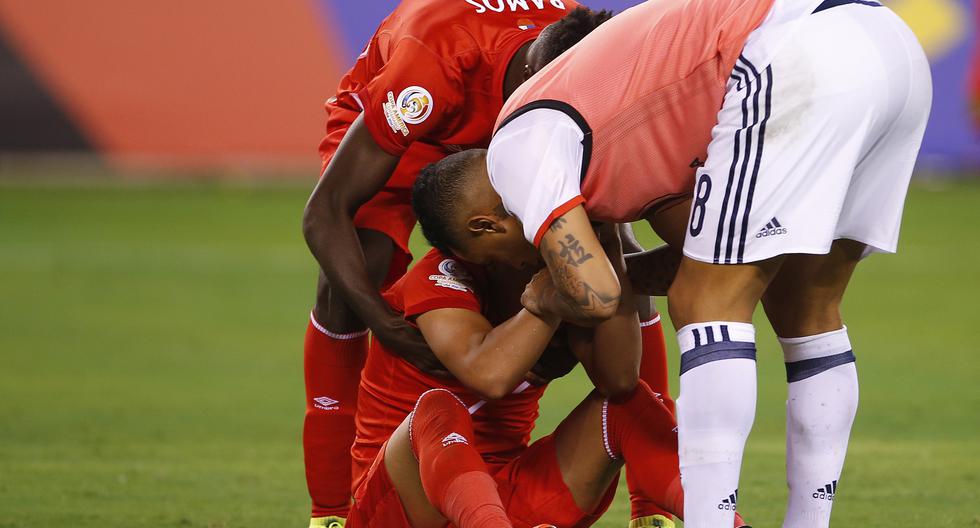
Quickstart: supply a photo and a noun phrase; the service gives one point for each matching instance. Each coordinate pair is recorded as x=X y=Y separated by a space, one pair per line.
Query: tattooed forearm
x=652 y=272
x=574 y=298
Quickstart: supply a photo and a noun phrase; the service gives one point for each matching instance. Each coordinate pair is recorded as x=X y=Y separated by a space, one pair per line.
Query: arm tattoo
x=575 y=298
x=558 y=224
x=572 y=251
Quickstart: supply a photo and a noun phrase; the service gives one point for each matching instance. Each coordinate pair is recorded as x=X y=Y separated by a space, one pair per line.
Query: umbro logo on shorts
x=729 y=503
x=827 y=492
x=773 y=228
x=454 y=438
x=326 y=403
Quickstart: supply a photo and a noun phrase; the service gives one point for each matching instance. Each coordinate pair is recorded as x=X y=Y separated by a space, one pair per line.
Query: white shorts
x=817 y=137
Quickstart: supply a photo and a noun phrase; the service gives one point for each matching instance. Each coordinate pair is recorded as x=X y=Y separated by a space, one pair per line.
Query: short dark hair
x=436 y=194
x=571 y=29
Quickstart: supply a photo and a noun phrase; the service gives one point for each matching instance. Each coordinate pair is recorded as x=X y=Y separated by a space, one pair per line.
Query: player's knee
x=437 y=406
x=618 y=386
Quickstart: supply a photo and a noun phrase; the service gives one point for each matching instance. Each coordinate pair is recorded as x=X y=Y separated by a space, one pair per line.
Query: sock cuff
x=650 y=322
x=700 y=334
x=815 y=346
x=333 y=335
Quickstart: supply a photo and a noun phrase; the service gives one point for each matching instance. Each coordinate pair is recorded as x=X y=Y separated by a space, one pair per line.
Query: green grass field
x=151 y=372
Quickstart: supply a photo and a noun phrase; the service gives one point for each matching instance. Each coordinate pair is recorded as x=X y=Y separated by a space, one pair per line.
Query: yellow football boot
x=652 y=521
x=327 y=522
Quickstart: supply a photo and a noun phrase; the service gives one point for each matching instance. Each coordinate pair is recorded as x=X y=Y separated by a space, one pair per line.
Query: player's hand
x=536 y=293
x=405 y=340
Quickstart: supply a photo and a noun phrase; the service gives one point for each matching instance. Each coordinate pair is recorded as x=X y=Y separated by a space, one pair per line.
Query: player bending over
x=459 y=452
x=431 y=81
x=802 y=172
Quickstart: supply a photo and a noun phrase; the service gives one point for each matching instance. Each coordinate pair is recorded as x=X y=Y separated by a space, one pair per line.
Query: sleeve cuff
x=559 y=211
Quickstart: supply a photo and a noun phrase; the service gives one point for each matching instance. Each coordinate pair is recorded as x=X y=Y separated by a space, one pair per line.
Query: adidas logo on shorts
x=773 y=228
x=827 y=492
x=453 y=438
x=729 y=503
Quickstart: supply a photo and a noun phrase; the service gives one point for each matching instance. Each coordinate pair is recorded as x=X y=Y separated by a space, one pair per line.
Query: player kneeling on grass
x=435 y=450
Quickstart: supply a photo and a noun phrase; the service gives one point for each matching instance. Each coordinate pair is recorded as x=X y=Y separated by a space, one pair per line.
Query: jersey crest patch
x=412 y=106
x=452 y=276
x=415 y=104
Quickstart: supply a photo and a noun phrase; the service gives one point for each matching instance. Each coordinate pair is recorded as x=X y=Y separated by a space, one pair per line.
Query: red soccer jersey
x=390 y=386
x=434 y=70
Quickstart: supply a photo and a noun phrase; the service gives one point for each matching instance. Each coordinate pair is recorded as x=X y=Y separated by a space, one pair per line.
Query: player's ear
x=484 y=224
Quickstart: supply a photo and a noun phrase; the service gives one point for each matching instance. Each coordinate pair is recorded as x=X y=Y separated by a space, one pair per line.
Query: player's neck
x=515 y=70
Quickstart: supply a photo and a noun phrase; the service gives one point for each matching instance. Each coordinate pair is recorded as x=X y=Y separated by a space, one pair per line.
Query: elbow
x=493 y=386
x=316 y=216
x=311 y=223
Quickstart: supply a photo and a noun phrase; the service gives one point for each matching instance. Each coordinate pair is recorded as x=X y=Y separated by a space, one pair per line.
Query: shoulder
x=441 y=281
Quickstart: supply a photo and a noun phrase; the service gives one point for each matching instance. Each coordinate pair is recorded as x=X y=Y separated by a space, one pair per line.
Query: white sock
x=823 y=398
x=715 y=412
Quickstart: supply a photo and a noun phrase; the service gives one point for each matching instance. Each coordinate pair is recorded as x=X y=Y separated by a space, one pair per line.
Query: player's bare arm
x=610 y=352
x=587 y=290
x=491 y=361
x=357 y=172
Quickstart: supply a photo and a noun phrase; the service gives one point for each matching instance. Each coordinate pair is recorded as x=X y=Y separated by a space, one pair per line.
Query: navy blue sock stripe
x=716 y=352
x=711 y=334
x=724 y=333
x=697 y=338
x=801 y=370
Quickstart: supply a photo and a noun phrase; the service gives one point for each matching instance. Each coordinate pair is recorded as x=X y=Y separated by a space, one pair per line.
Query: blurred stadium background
x=154 y=162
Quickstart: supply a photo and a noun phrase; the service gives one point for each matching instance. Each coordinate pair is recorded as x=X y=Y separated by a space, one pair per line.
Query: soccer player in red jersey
x=436 y=449
x=431 y=450
x=431 y=81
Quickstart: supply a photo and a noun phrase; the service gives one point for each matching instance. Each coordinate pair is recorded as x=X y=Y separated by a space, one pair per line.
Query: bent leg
x=803 y=304
x=333 y=354
x=438 y=474
x=653 y=371
x=594 y=441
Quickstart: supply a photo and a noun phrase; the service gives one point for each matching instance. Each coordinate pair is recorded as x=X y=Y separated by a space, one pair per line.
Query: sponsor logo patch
x=326 y=403
x=827 y=492
x=729 y=503
x=773 y=228
x=454 y=438
x=452 y=276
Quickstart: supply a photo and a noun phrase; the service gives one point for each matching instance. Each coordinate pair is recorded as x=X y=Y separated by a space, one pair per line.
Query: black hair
x=436 y=193
x=571 y=29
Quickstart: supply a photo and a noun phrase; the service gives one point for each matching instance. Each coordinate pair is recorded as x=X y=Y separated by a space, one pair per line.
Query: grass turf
x=151 y=372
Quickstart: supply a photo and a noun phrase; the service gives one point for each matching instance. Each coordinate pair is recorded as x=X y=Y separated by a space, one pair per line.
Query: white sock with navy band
x=822 y=402
x=715 y=412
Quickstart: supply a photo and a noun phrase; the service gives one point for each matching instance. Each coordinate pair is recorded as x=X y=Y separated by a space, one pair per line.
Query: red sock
x=453 y=474
x=332 y=367
x=653 y=370
x=641 y=431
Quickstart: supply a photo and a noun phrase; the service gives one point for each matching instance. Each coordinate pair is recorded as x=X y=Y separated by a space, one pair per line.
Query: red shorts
x=389 y=211
x=530 y=486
